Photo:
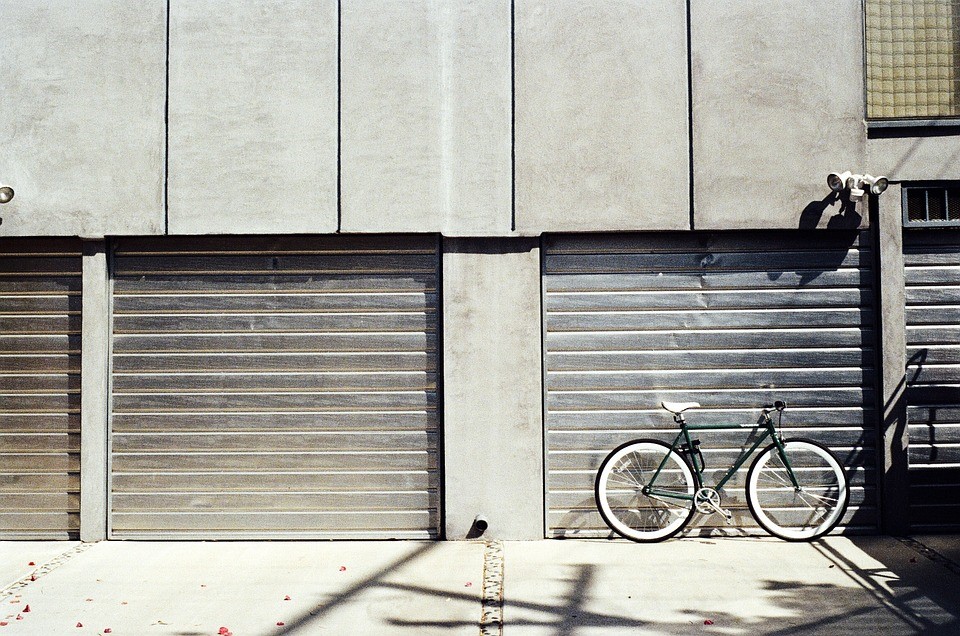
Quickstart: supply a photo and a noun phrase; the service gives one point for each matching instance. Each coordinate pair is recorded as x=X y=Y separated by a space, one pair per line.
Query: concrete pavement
x=841 y=585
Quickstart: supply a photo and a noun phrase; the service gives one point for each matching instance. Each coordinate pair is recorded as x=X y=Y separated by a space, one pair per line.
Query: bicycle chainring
x=707 y=500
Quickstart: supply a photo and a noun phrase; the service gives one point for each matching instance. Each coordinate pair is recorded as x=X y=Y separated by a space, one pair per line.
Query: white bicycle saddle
x=679 y=407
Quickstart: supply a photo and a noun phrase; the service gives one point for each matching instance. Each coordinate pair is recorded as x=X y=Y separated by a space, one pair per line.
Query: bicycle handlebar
x=778 y=405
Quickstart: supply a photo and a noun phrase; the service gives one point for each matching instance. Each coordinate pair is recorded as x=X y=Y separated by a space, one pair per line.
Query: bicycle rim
x=624 y=506
x=803 y=512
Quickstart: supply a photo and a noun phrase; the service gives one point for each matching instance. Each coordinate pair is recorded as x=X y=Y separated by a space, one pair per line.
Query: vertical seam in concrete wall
x=690 y=114
x=543 y=386
x=339 y=115
x=166 y=129
x=513 y=117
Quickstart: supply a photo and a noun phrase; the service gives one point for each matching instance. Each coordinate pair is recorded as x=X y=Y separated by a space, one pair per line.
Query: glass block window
x=913 y=53
x=931 y=205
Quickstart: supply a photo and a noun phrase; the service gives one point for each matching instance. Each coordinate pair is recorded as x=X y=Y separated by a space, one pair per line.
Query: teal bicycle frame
x=684 y=445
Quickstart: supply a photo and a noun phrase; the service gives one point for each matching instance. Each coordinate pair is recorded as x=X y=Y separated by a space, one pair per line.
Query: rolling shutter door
x=932 y=262
x=733 y=321
x=275 y=388
x=40 y=296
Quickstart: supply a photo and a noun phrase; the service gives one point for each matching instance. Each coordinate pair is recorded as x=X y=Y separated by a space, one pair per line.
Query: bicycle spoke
x=803 y=494
x=777 y=475
x=626 y=478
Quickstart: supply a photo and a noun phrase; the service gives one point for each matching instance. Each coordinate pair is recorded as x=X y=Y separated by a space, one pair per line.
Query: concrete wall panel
x=81 y=116
x=253 y=117
x=908 y=158
x=601 y=115
x=492 y=387
x=426 y=116
x=777 y=105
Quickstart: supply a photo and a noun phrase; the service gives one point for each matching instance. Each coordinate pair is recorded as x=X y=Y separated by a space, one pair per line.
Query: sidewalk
x=842 y=585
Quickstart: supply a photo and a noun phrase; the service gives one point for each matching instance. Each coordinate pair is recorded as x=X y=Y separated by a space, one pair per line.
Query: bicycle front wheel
x=627 y=508
x=803 y=511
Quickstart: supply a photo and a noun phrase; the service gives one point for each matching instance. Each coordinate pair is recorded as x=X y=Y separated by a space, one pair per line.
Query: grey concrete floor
x=840 y=585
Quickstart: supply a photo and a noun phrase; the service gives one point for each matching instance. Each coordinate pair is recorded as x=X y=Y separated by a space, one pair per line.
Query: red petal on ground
x=708 y=622
x=343 y=568
x=224 y=631
x=286 y=598
x=33 y=577
x=280 y=623
x=4 y=623
x=468 y=584
x=19 y=617
x=31 y=563
x=107 y=631
x=26 y=609
x=79 y=624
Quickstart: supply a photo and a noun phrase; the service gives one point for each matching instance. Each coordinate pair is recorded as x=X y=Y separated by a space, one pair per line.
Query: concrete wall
x=94 y=392
x=777 y=105
x=492 y=387
x=891 y=301
x=601 y=115
x=82 y=116
x=426 y=116
x=466 y=117
x=253 y=117
x=915 y=155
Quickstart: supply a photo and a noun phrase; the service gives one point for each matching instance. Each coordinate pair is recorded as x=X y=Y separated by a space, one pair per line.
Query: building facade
x=375 y=268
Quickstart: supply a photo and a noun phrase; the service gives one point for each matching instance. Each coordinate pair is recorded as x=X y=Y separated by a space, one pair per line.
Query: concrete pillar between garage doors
x=492 y=388
x=94 y=388
x=891 y=301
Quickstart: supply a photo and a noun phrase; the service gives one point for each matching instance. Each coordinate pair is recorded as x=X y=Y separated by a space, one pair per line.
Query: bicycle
x=647 y=490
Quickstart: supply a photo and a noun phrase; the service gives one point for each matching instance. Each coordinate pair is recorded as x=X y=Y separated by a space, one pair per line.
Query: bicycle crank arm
x=727 y=515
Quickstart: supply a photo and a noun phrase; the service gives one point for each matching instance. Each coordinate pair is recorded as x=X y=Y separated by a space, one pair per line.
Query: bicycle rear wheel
x=803 y=512
x=627 y=509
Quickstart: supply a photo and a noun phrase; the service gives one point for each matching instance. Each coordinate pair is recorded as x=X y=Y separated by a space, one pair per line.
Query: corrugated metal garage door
x=733 y=321
x=40 y=287
x=275 y=388
x=932 y=262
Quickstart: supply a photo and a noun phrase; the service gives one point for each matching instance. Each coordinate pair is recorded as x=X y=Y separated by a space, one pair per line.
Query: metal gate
x=731 y=320
x=280 y=387
x=932 y=263
x=40 y=296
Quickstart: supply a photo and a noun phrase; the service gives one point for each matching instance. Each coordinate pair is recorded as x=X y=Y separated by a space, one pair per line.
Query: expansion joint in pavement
x=931 y=554
x=44 y=569
x=491 y=621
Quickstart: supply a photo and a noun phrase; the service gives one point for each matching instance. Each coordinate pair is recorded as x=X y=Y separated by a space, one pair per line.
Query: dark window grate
x=931 y=205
